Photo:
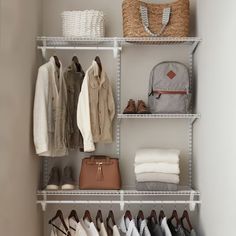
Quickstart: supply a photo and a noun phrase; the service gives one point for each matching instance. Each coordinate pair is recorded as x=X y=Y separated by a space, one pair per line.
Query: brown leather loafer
x=130 y=108
x=142 y=108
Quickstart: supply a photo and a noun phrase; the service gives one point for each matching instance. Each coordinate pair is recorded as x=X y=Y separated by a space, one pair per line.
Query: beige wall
x=215 y=151
x=137 y=63
x=19 y=169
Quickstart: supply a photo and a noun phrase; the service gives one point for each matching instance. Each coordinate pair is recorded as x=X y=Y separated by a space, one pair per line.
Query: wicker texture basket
x=178 y=25
x=88 y=23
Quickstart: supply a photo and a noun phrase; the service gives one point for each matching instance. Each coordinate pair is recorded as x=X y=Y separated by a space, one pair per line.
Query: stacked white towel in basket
x=157 y=169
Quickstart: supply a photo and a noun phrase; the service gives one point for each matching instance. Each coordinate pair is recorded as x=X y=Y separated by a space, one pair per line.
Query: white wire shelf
x=121 y=40
x=121 y=197
x=158 y=116
x=116 y=193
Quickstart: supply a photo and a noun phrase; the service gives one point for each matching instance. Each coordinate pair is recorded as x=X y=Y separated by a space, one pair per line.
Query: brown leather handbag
x=100 y=172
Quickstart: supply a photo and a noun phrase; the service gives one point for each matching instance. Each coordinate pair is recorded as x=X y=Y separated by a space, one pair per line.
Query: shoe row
x=66 y=182
x=141 y=107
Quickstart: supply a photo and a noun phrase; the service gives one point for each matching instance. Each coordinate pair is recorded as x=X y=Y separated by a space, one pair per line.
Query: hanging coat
x=73 y=80
x=50 y=111
x=96 y=97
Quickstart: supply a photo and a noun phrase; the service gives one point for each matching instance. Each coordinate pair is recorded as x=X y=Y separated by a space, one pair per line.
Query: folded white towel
x=160 y=177
x=157 y=168
x=157 y=155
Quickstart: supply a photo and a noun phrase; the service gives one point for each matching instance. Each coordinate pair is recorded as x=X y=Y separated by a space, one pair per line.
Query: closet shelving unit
x=123 y=197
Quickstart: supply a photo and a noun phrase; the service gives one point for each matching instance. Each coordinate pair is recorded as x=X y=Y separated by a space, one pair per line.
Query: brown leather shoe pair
x=141 y=108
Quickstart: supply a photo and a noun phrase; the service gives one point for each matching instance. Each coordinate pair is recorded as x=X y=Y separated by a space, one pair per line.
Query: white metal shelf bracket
x=116 y=49
x=122 y=203
x=192 y=204
x=194 y=47
x=44 y=202
x=193 y=120
x=44 y=50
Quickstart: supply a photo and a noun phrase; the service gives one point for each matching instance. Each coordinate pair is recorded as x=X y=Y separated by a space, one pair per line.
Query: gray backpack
x=169 y=88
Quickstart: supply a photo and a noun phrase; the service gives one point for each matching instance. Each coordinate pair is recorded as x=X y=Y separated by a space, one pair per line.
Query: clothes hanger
x=112 y=218
x=57 y=62
x=99 y=218
x=59 y=215
x=77 y=64
x=128 y=215
x=174 y=216
x=161 y=216
x=98 y=60
x=74 y=215
x=87 y=216
x=140 y=217
x=153 y=216
x=186 y=216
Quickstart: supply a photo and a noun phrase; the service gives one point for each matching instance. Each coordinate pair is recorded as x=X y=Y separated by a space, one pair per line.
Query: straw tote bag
x=142 y=19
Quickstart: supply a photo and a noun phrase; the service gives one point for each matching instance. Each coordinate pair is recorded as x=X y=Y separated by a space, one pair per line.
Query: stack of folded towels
x=157 y=169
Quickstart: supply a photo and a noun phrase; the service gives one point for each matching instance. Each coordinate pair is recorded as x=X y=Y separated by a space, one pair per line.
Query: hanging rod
x=115 y=47
x=121 y=201
x=77 y=48
x=192 y=203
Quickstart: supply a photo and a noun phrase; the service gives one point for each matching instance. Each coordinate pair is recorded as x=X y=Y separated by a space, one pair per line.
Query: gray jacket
x=73 y=80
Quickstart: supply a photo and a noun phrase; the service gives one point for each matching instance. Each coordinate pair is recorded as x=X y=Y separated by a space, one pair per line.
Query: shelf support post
x=190 y=151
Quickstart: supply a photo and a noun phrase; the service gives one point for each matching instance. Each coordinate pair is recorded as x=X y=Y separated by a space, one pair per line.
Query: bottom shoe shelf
x=122 y=197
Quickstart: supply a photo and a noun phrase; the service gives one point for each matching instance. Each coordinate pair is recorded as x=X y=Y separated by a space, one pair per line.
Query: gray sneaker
x=68 y=182
x=54 y=179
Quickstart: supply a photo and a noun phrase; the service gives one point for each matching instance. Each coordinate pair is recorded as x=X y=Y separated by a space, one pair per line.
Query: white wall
x=215 y=153
x=19 y=168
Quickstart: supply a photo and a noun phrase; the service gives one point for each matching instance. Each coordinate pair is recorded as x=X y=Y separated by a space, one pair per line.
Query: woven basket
x=142 y=19
x=88 y=23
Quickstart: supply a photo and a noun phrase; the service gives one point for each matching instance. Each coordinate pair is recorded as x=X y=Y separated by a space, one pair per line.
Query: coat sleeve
x=83 y=117
x=40 y=128
x=111 y=102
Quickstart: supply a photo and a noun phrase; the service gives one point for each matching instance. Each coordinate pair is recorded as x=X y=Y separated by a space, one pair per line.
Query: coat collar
x=53 y=63
x=95 y=72
x=55 y=71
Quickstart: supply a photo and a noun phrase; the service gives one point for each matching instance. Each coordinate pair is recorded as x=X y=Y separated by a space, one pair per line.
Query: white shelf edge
x=116 y=193
x=158 y=116
x=121 y=40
